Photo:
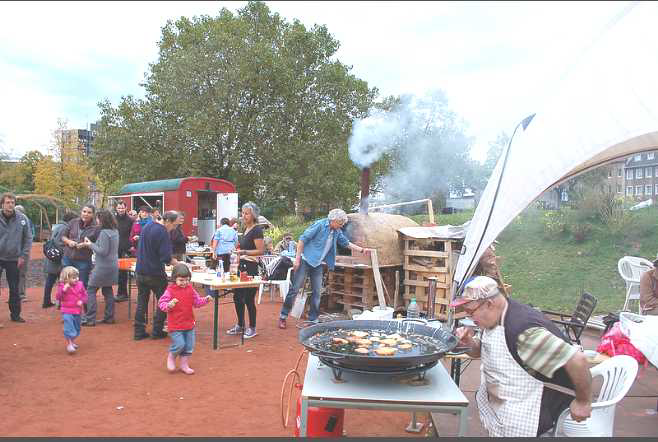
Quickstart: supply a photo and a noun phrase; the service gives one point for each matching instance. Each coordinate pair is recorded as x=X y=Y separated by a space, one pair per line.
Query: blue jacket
x=314 y=238
x=153 y=250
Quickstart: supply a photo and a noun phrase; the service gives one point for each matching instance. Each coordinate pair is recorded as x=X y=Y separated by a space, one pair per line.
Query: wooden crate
x=429 y=257
x=354 y=286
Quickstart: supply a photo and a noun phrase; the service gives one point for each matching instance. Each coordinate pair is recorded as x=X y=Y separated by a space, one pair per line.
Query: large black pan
x=445 y=341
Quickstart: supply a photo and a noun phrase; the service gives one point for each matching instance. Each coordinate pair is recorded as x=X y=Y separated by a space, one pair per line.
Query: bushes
x=561 y=223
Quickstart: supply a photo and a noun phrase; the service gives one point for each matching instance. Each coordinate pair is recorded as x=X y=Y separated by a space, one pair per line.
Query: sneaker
x=107 y=321
x=250 y=333
x=88 y=324
x=121 y=298
x=235 y=330
x=76 y=346
x=282 y=323
x=70 y=349
x=18 y=319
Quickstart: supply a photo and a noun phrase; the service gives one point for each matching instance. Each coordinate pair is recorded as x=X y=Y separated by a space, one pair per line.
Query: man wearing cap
x=530 y=372
x=649 y=291
x=317 y=245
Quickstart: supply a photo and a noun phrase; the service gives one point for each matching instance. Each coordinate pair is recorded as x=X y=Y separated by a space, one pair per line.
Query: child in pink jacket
x=71 y=294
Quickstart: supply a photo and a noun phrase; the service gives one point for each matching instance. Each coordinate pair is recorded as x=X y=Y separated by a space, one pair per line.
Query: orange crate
x=126 y=263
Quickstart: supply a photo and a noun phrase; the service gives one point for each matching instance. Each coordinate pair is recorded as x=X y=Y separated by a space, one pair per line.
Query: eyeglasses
x=472 y=312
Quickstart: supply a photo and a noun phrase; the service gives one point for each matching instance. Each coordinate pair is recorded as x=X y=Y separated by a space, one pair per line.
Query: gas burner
x=419 y=370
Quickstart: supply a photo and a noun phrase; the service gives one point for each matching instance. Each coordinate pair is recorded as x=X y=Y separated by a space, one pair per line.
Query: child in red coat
x=178 y=301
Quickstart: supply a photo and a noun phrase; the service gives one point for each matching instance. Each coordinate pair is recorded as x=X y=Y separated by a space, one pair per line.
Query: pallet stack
x=427 y=256
x=353 y=286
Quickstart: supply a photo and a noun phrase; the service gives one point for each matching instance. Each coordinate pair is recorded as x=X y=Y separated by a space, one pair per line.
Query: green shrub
x=581 y=231
x=555 y=223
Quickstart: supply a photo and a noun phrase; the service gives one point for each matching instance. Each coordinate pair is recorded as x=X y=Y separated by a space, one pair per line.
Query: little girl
x=71 y=294
x=178 y=301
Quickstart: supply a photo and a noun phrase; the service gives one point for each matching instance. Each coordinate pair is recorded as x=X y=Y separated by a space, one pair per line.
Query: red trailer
x=203 y=200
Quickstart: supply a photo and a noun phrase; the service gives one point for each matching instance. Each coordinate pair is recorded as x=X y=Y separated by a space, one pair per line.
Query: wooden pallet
x=354 y=286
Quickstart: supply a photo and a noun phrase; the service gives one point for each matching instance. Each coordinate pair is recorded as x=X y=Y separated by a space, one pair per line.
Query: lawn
x=550 y=271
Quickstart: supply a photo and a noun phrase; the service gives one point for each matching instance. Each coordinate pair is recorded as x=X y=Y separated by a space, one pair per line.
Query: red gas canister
x=322 y=422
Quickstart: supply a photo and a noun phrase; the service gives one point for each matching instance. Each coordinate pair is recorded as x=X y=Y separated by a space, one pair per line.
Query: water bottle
x=412 y=310
x=234 y=264
x=220 y=268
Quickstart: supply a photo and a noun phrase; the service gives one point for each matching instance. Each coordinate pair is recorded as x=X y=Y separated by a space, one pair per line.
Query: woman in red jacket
x=178 y=301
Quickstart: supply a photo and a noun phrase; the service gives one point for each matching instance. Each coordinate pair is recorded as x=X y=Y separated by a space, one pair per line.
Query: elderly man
x=529 y=370
x=317 y=245
x=153 y=252
x=286 y=246
x=649 y=291
x=15 y=245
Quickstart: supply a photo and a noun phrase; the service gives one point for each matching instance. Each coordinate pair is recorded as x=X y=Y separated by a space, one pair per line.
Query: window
x=637 y=157
x=629 y=174
x=609 y=173
x=638 y=190
x=647 y=189
x=638 y=173
x=619 y=188
x=655 y=191
x=629 y=190
x=650 y=156
x=647 y=172
x=619 y=172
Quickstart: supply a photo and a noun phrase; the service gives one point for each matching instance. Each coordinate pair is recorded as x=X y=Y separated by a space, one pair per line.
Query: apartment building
x=641 y=176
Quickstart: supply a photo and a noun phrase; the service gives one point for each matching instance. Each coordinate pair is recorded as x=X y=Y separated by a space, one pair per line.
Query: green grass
x=551 y=271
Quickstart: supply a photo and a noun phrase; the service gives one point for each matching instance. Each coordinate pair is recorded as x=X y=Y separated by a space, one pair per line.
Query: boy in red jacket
x=178 y=301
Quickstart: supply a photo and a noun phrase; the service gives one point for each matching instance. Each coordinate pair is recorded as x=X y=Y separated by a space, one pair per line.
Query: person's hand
x=214 y=256
x=66 y=286
x=580 y=410
x=79 y=303
x=87 y=242
x=21 y=262
x=172 y=303
x=297 y=263
x=366 y=251
x=465 y=337
x=80 y=245
x=136 y=238
x=72 y=244
x=208 y=298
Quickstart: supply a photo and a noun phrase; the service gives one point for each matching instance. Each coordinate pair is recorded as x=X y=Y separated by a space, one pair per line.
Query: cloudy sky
x=497 y=62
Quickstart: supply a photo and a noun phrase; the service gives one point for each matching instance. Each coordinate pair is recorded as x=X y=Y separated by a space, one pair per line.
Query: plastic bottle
x=220 y=269
x=412 y=310
x=234 y=263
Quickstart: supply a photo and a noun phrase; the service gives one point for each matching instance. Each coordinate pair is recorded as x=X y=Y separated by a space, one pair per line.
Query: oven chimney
x=365 y=190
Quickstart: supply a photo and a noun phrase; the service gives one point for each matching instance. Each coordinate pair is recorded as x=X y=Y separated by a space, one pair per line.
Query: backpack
x=50 y=249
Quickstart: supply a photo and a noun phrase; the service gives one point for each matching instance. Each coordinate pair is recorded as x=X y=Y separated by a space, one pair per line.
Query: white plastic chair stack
x=618 y=375
x=631 y=269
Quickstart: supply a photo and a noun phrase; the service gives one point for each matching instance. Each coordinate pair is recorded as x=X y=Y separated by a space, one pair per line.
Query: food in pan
x=363 y=342
x=362 y=350
x=340 y=341
x=389 y=342
x=404 y=346
x=385 y=351
x=359 y=333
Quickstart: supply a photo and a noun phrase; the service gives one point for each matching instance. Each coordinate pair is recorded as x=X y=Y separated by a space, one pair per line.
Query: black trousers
x=122 y=290
x=145 y=285
x=51 y=279
x=246 y=297
x=11 y=267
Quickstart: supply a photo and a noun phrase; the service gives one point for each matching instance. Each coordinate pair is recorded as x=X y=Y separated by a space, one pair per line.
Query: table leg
x=304 y=417
x=455 y=370
x=215 y=343
x=414 y=426
x=463 y=421
x=130 y=293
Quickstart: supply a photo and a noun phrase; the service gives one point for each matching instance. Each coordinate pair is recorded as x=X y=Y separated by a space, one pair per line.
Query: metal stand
x=414 y=426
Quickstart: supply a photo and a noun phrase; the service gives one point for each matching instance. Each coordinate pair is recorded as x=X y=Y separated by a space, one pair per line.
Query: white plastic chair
x=618 y=375
x=631 y=269
x=283 y=286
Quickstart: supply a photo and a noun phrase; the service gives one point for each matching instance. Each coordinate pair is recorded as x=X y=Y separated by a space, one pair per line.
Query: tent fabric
x=605 y=109
x=151 y=186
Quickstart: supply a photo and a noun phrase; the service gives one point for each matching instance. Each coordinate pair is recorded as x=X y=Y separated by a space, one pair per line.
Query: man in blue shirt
x=153 y=252
x=317 y=245
x=223 y=243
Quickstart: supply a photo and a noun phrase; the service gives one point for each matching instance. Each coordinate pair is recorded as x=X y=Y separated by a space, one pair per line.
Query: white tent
x=606 y=108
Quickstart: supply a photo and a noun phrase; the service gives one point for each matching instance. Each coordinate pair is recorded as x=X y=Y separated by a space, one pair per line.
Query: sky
x=497 y=62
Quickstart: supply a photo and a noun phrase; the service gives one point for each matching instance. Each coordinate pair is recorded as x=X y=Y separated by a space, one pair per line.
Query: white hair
x=337 y=215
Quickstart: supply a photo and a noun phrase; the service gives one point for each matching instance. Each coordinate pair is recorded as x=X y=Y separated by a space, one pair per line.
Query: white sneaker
x=235 y=330
x=70 y=349
x=250 y=333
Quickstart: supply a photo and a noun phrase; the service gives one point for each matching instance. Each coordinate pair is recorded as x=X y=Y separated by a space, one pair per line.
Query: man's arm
x=27 y=244
x=578 y=370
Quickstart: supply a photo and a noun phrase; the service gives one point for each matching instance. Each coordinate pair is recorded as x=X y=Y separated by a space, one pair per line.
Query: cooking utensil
x=441 y=337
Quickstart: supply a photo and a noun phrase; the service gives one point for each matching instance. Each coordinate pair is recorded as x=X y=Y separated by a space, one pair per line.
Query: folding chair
x=575 y=323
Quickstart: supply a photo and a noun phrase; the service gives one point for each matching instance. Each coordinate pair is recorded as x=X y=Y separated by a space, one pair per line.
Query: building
x=641 y=176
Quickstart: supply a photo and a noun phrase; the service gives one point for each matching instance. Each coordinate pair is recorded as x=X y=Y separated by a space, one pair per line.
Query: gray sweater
x=106 y=268
x=15 y=237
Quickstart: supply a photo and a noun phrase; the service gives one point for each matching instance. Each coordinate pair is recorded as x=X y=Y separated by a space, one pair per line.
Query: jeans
x=315 y=273
x=84 y=268
x=182 y=342
x=51 y=279
x=90 y=317
x=11 y=267
x=71 y=325
x=145 y=285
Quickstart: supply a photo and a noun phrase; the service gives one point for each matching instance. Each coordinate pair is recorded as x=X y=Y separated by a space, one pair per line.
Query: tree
x=64 y=173
x=28 y=165
x=248 y=97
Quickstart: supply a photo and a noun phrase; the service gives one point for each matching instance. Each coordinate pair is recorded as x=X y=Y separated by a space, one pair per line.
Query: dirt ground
x=115 y=386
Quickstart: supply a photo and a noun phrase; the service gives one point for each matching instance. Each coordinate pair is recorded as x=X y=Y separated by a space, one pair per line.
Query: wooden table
x=211 y=280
